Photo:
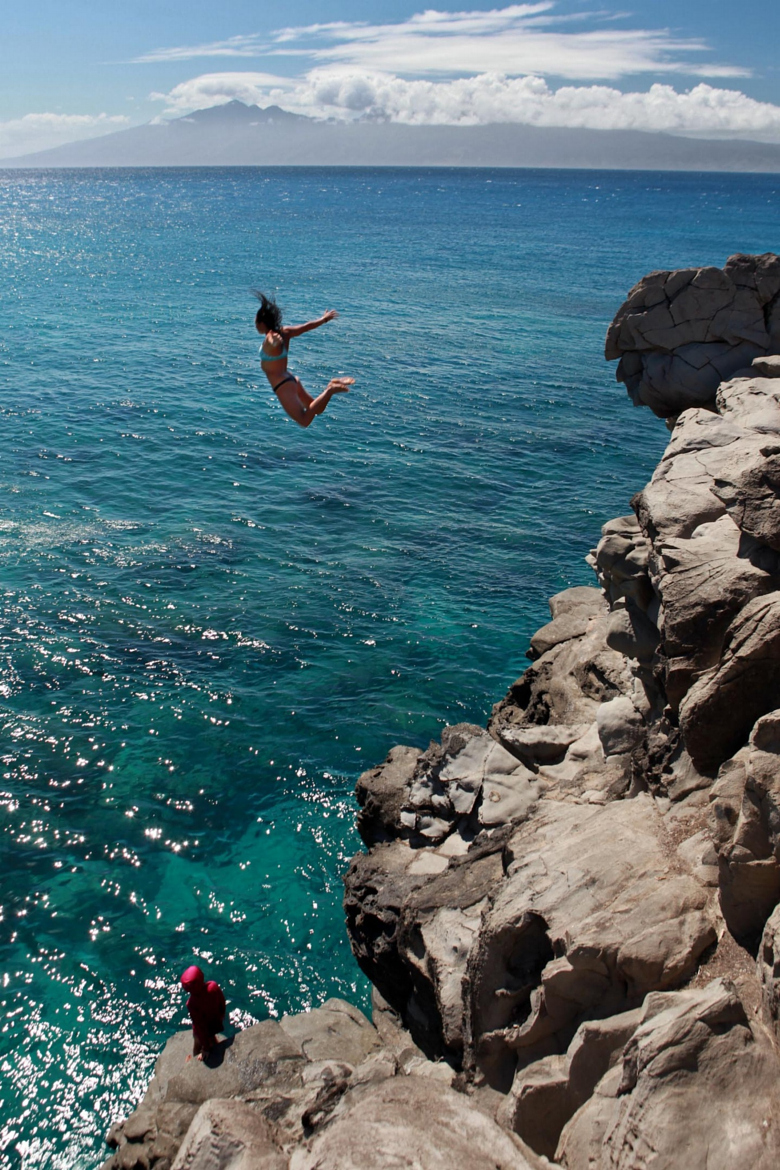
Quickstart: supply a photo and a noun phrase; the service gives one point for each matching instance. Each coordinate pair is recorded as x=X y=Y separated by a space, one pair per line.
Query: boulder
x=718 y=712
x=695 y=1087
x=621 y=563
x=540 y=744
x=569 y=625
x=767 y=367
x=752 y=497
x=229 y=1135
x=745 y=826
x=412 y=1122
x=680 y=334
x=704 y=583
x=620 y=726
x=578 y=597
x=588 y=920
x=470 y=782
x=336 y=1031
x=573 y=612
x=564 y=687
x=381 y=793
x=547 y=1093
x=752 y=404
x=263 y=1055
x=395 y=1038
x=631 y=633
x=769 y=971
x=412 y=934
x=678 y=498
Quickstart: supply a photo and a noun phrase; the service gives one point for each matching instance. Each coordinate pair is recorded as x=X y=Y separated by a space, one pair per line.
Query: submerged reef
x=571 y=917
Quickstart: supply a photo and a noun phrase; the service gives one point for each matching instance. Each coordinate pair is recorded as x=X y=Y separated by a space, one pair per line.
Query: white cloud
x=239 y=46
x=517 y=40
x=215 y=89
x=703 y=111
x=42 y=131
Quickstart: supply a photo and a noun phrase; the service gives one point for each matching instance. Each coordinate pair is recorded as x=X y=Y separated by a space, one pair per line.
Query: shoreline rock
x=570 y=916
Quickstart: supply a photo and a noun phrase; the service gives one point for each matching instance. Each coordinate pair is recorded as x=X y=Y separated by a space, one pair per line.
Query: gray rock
x=469 y=782
x=719 y=710
x=382 y=792
x=412 y=1122
x=751 y=403
x=631 y=633
x=545 y=744
x=678 y=498
x=569 y=625
x=767 y=367
x=690 y=376
x=582 y=925
x=745 y=827
x=680 y=776
x=752 y=498
x=577 y=598
x=621 y=563
x=696 y=1087
x=263 y=1055
x=411 y=935
x=704 y=583
x=229 y=1135
x=620 y=726
x=565 y=686
x=546 y=1094
x=769 y=970
x=335 y=1031
x=395 y=1038
x=680 y=334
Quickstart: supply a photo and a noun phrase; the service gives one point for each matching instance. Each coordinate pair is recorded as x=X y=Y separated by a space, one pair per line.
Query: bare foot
x=341 y=385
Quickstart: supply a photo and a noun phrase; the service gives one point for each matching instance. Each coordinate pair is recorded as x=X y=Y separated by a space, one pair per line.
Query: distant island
x=236 y=134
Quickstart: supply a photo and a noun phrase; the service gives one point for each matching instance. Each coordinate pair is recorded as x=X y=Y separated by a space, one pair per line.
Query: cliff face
x=680 y=334
x=561 y=912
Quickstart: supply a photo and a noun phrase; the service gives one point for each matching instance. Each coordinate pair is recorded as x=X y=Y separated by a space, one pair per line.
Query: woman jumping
x=273 y=358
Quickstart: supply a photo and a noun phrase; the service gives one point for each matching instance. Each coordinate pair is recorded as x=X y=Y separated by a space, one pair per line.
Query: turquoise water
x=213 y=620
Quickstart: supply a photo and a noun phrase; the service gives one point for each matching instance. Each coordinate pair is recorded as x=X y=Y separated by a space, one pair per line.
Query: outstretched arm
x=297 y=330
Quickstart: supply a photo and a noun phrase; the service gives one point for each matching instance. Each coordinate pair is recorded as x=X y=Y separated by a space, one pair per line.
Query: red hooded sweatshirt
x=206 y=1006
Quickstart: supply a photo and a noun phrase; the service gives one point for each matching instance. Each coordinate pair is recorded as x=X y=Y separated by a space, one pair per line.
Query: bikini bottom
x=288 y=378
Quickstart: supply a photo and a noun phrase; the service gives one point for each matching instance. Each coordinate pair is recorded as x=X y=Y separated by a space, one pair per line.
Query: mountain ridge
x=237 y=134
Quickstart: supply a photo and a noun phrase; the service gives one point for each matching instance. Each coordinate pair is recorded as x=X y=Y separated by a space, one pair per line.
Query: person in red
x=206 y=1008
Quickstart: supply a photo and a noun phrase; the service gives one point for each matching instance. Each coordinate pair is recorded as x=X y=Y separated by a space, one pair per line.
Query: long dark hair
x=269 y=316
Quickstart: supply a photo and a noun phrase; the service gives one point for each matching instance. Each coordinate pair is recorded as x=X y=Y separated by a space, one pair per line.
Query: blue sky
x=76 y=68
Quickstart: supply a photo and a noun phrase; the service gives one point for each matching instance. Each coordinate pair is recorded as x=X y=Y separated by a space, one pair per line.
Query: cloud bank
x=42 y=131
x=516 y=40
x=703 y=111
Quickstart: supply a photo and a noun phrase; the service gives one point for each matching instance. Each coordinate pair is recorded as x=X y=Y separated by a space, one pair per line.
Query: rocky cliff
x=570 y=917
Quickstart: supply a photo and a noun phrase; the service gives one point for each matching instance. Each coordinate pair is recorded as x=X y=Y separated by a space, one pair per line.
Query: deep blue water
x=212 y=620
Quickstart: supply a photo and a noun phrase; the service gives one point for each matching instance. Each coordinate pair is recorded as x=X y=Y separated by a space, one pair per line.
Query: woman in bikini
x=273 y=358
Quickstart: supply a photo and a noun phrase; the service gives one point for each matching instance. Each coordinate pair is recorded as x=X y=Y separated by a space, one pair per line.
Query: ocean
x=213 y=620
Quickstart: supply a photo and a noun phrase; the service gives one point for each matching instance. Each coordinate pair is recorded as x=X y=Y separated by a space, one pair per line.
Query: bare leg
x=302 y=407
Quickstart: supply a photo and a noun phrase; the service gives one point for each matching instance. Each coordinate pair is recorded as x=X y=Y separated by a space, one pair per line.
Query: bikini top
x=273 y=357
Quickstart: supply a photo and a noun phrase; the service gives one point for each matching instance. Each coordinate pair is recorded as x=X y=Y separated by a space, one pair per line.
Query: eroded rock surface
x=412 y=1123
x=323 y=1088
x=593 y=916
x=745 y=826
x=696 y=1087
x=680 y=334
x=229 y=1135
